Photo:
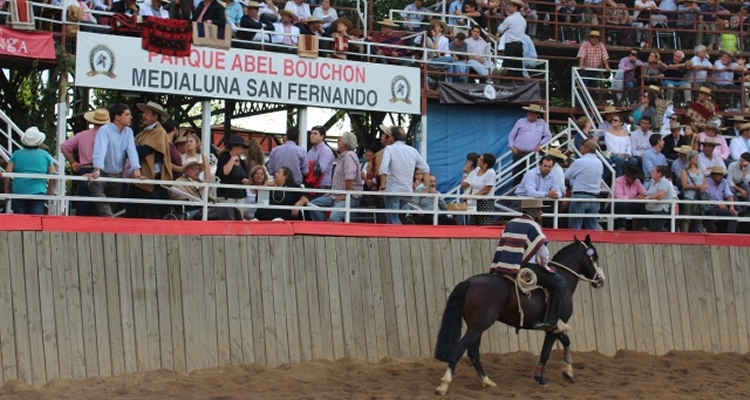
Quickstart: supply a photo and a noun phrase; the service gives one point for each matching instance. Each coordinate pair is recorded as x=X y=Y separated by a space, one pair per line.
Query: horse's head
x=588 y=258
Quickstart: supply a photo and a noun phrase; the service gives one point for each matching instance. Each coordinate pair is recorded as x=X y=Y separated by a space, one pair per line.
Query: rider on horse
x=523 y=245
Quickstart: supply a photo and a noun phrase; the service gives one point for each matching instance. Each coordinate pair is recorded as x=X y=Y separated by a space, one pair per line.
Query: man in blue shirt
x=585 y=175
x=113 y=143
x=540 y=183
x=653 y=157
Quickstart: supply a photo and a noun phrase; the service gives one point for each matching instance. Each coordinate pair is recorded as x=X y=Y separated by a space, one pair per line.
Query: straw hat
x=446 y=29
x=153 y=107
x=712 y=125
x=190 y=161
x=684 y=149
x=731 y=56
x=594 y=33
x=180 y=140
x=704 y=90
x=312 y=19
x=738 y=118
x=33 y=137
x=335 y=24
x=385 y=129
x=518 y=3
x=718 y=169
x=388 y=22
x=100 y=116
x=252 y=4
x=609 y=110
x=555 y=153
x=527 y=204
x=674 y=125
x=654 y=88
x=534 y=108
x=290 y=13
x=709 y=141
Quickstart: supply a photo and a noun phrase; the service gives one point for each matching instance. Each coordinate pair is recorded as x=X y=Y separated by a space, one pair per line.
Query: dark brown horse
x=483 y=299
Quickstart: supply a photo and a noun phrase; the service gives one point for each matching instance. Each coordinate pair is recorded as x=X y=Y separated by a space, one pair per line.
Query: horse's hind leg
x=472 y=334
x=474 y=357
x=567 y=355
x=549 y=340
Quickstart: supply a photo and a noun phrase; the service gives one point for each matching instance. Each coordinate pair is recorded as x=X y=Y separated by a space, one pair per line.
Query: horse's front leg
x=549 y=340
x=567 y=355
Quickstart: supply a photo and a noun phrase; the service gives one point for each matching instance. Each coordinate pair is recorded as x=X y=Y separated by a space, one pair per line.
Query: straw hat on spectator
x=594 y=33
x=312 y=19
x=745 y=126
x=555 y=153
x=446 y=29
x=674 y=125
x=684 y=149
x=100 y=116
x=335 y=24
x=180 y=140
x=731 y=56
x=33 y=137
x=518 y=3
x=531 y=204
x=712 y=125
x=153 y=107
x=534 y=108
x=388 y=22
x=718 y=169
x=738 y=118
x=252 y=4
x=609 y=110
x=654 y=88
x=704 y=90
x=709 y=141
x=190 y=161
x=291 y=14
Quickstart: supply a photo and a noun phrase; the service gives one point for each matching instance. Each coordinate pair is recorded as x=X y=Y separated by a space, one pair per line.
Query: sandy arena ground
x=627 y=375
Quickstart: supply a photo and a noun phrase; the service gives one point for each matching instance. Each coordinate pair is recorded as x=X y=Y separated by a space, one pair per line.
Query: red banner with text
x=28 y=45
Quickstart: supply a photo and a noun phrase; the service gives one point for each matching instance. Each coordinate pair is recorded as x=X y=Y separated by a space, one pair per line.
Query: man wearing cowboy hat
x=734 y=131
x=585 y=174
x=557 y=170
x=628 y=187
x=193 y=168
x=673 y=141
x=83 y=143
x=253 y=20
x=313 y=26
x=113 y=142
x=386 y=37
x=30 y=160
x=702 y=110
x=712 y=131
x=719 y=190
x=740 y=144
x=592 y=54
x=527 y=137
x=680 y=163
x=513 y=254
x=608 y=114
x=290 y=31
x=156 y=162
x=513 y=28
x=708 y=157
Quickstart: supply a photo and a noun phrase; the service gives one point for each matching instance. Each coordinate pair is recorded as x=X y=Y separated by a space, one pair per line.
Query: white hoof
x=568 y=372
x=442 y=389
x=486 y=382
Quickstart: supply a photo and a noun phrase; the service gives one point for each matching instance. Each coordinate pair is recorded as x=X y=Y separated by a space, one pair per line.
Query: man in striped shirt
x=523 y=245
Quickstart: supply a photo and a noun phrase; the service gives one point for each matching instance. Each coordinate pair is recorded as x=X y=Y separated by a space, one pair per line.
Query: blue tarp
x=453 y=131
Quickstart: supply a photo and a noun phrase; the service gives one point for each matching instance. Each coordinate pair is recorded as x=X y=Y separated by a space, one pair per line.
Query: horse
x=485 y=298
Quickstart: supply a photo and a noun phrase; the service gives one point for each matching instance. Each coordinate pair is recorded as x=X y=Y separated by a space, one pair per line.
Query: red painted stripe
x=210 y=228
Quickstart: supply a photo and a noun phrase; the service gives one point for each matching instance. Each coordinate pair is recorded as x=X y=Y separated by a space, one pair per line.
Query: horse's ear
x=575 y=239
x=588 y=239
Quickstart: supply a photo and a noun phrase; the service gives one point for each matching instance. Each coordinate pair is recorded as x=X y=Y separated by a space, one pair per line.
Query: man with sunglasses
x=629 y=64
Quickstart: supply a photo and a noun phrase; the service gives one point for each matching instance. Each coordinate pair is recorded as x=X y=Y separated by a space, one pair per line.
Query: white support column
x=206 y=128
x=422 y=137
x=302 y=125
x=62 y=116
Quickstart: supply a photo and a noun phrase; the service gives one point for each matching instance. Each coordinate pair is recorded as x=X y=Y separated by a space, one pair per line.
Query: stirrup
x=541 y=326
x=561 y=327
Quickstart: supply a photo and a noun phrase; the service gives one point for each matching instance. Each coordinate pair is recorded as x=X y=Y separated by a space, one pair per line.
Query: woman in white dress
x=617 y=140
x=193 y=150
x=481 y=182
x=258 y=177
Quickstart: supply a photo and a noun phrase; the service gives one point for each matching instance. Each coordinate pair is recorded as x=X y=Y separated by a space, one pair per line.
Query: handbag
x=702 y=208
x=210 y=35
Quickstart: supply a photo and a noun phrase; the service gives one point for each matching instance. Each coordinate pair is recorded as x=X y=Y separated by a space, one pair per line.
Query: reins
x=590 y=253
x=576 y=274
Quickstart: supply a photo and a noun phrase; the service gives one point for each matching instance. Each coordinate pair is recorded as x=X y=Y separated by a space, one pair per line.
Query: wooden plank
x=73 y=298
x=745 y=282
x=88 y=315
x=117 y=349
x=709 y=306
x=389 y=302
x=138 y=301
x=719 y=304
x=312 y=295
x=354 y=270
x=303 y=309
x=8 y=368
x=290 y=301
x=20 y=310
x=702 y=293
x=62 y=322
x=237 y=289
x=399 y=298
x=209 y=300
x=604 y=303
x=657 y=289
x=608 y=257
x=101 y=311
x=47 y=302
x=682 y=291
x=251 y=303
x=223 y=349
x=164 y=306
x=33 y=240
x=431 y=294
x=729 y=300
x=345 y=288
x=737 y=264
x=368 y=306
x=641 y=306
x=333 y=297
x=279 y=247
x=198 y=327
x=189 y=309
x=417 y=274
x=670 y=291
x=125 y=282
x=179 y=340
x=381 y=335
x=692 y=283
x=266 y=284
x=151 y=300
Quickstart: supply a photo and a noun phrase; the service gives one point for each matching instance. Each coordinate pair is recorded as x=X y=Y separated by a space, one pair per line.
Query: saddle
x=525 y=282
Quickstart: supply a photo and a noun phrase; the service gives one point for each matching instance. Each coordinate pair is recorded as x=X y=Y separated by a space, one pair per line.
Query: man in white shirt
x=300 y=9
x=156 y=9
x=738 y=176
x=723 y=79
x=479 y=60
x=585 y=175
x=639 y=139
x=288 y=41
x=708 y=159
x=513 y=28
x=397 y=171
x=740 y=144
x=700 y=65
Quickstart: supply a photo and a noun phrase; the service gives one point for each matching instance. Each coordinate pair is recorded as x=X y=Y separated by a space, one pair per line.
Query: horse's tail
x=450 y=327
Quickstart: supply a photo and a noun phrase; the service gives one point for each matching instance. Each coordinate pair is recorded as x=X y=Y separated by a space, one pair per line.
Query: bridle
x=598 y=276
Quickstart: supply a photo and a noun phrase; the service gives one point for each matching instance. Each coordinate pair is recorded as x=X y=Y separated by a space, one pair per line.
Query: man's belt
x=587 y=194
x=108 y=175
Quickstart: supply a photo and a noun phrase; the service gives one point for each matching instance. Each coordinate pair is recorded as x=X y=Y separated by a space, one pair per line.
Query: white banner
x=119 y=63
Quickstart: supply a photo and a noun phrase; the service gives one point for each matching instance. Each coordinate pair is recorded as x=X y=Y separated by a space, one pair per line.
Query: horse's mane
x=566 y=251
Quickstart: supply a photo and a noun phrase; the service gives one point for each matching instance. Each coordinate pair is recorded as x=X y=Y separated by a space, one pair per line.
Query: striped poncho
x=518 y=244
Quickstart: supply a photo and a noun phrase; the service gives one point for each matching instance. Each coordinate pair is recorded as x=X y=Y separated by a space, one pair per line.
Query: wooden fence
x=76 y=305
